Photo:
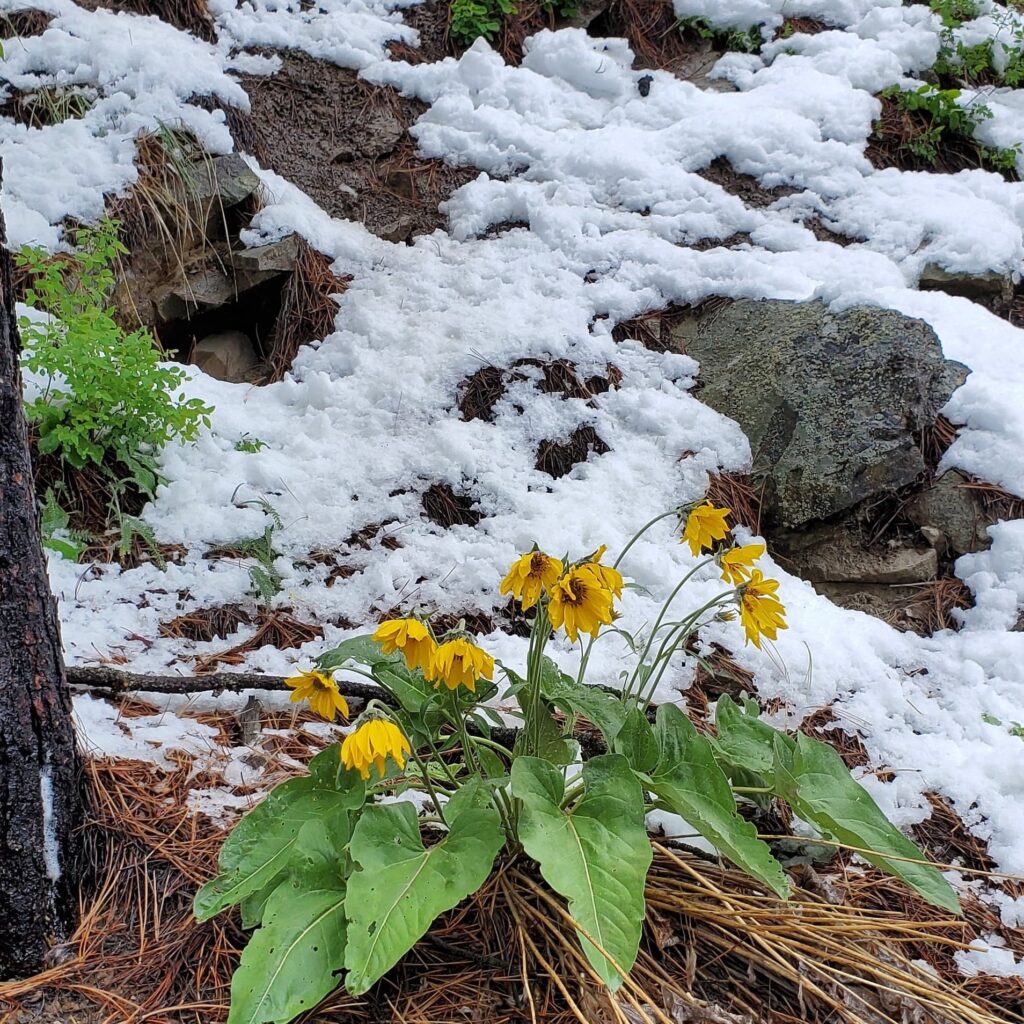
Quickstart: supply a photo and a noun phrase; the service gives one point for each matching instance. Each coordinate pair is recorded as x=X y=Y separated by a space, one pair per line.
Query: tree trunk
x=40 y=775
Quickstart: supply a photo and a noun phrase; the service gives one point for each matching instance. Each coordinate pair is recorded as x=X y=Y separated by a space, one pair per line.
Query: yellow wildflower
x=412 y=638
x=530 y=574
x=761 y=612
x=321 y=691
x=460 y=663
x=737 y=563
x=704 y=525
x=609 y=578
x=371 y=744
x=580 y=602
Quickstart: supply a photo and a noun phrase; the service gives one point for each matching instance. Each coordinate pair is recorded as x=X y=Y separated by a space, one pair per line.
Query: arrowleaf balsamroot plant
x=337 y=880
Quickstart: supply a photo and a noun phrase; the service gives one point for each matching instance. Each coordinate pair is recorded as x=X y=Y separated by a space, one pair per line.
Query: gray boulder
x=832 y=402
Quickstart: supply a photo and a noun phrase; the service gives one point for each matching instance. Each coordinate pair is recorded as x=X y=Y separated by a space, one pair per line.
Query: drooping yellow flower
x=371 y=744
x=704 y=525
x=412 y=638
x=529 y=575
x=609 y=578
x=761 y=612
x=737 y=562
x=321 y=691
x=580 y=602
x=460 y=663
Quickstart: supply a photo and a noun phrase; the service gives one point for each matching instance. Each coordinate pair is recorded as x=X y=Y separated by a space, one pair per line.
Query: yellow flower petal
x=705 y=525
x=530 y=575
x=762 y=614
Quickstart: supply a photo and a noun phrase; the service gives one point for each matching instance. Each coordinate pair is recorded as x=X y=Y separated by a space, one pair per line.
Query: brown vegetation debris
x=365 y=537
x=443 y=506
x=274 y=629
x=20 y=24
x=556 y=458
x=207 y=624
x=191 y=16
x=825 y=725
x=482 y=390
x=656 y=328
x=734 y=491
x=308 y=308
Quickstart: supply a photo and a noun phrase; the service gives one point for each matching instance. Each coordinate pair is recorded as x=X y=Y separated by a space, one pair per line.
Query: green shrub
x=106 y=400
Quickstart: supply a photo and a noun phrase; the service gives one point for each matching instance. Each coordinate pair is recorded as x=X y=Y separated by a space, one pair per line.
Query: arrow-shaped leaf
x=294 y=959
x=595 y=854
x=688 y=779
x=398 y=888
x=819 y=787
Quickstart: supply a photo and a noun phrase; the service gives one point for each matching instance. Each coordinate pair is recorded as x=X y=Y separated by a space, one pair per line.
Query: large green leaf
x=363 y=649
x=744 y=741
x=410 y=689
x=595 y=854
x=636 y=741
x=294 y=959
x=397 y=887
x=688 y=779
x=295 y=815
x=817 y=784
x=602 y=708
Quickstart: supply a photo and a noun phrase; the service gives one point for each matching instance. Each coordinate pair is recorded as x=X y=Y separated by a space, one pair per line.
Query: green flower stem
x=643 y=529
x=460 y=723
x=426 y=782
x=584 y=659
x=493 y=744
x=685 y=629
x=538 y=640
x=627 y=692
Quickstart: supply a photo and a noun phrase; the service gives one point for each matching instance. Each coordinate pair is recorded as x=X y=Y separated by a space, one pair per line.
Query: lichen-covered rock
x=832 y=403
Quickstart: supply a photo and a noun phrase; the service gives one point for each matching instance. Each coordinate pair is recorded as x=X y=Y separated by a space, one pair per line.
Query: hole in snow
x=556 y=458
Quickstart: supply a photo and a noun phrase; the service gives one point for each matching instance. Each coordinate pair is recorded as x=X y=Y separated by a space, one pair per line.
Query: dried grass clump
x=308 y=308
x=736 y=492
x=206 y=624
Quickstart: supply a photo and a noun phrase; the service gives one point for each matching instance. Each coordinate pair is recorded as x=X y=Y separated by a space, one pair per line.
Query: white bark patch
x=51 y=852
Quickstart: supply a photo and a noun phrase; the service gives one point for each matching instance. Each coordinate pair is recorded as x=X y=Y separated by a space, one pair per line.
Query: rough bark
x=40 y=776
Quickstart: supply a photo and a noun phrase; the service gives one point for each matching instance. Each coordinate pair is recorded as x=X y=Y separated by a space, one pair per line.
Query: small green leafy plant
x=106 y=399
x=265 y=581
x=57 y=532
x=249 y=444
x=339 y=881
x=737 y=39
x=471 y=19
x=944 y=115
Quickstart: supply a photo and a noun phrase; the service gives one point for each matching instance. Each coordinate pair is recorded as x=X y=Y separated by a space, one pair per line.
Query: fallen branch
x=113 y=681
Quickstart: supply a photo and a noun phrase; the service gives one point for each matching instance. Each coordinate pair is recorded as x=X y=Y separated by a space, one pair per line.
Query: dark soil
x=346 y=144
x=743 y=186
